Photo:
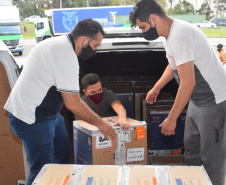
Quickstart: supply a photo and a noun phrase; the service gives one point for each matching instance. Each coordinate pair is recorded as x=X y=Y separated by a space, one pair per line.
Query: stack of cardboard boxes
x=90 y=147
x=162 y=149
x=121 y=175
x=126 y=88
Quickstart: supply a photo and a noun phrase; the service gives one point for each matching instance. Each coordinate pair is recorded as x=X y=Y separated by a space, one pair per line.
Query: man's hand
x=152 y=96
x=79 y=108
x=107 y=130
x=123 y=123
x=168 y=127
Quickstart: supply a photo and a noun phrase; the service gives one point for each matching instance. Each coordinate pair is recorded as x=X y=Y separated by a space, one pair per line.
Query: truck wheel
x=46 y=37
x=20 y=52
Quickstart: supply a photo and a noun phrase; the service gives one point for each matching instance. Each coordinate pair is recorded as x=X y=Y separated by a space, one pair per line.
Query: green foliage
x=205 y=10
x=163 y=4
x=122 y=2
x=183 y=7
x=94 y=3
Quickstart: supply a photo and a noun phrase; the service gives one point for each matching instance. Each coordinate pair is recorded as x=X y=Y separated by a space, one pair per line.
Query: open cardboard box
x=91 y=147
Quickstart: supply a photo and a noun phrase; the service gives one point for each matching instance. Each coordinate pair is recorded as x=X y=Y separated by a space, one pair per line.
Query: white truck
x=64 y=20
x=10 y=30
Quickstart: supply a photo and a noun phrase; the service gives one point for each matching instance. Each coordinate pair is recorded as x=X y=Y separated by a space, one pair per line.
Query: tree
x=122 y=2
x=41 y=6
x=163 y=4
x=205 y=10
x=184 y=7
x=220 y=5
x=99 y=2
x=27 y=8
x=171 y=7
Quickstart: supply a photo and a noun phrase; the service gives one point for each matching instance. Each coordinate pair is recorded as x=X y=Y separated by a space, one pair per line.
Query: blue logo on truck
x=69 y=20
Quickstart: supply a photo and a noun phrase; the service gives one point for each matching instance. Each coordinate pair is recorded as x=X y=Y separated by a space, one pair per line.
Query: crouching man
x=103 y=101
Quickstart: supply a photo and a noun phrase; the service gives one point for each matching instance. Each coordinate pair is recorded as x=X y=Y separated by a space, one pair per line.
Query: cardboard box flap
x=140 y=175
x=54 y=174
x=88 y=128
x=102 y=175
x=188 y=175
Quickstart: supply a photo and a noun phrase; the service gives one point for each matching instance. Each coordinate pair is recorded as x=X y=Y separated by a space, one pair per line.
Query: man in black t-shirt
x=103 y=101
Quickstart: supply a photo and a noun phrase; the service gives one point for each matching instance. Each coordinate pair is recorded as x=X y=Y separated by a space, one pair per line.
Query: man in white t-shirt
x=50 y=79
x=201 y=77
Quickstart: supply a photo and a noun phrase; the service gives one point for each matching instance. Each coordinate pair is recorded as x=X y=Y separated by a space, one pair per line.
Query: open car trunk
x=130 y=68
x=134 y=64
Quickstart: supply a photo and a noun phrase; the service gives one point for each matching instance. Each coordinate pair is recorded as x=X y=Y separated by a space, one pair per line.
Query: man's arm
x=78 y=107
x=186 y=73
x=121 y=112
x=166 y=77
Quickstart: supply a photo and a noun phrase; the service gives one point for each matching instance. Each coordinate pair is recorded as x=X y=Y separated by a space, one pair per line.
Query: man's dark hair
x=142 y=11
x=90 y=79
x=220 y=46
x=87 y=27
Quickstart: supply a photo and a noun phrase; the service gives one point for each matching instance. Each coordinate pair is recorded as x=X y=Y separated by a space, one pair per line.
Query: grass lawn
x=30 y=30
x=214 y=32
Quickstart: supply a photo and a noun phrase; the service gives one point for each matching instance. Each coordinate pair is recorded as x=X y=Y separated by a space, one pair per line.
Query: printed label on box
x=102 y=142
x=135 y=154
x=139 y=133
x=124 y=136
x=187 y=181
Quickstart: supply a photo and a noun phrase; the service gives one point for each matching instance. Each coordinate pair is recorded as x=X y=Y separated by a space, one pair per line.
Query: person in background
x=202 y=80
x=49 y=80
x=103 y=101
x=221 y=54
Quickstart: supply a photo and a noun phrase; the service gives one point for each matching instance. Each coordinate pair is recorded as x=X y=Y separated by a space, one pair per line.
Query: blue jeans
x=45 y=142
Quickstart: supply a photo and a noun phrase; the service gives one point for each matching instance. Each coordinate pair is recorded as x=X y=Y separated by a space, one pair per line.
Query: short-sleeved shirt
x=222 y=55
x=105 y=108
x=187 y=43
x=51 y=68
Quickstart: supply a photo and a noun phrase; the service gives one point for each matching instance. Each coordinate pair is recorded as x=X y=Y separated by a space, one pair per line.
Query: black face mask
x=151 y=34
x=218 y=50
x=87 y=53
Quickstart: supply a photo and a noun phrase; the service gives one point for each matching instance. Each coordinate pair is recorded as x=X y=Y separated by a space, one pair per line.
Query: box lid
x=93 y=130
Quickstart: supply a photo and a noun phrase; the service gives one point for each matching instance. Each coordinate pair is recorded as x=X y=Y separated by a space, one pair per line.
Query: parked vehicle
x=64 y=20
x=33 y=18
x=13 y=157
x=206 y=24
x=10 y=30
x=219 y=21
